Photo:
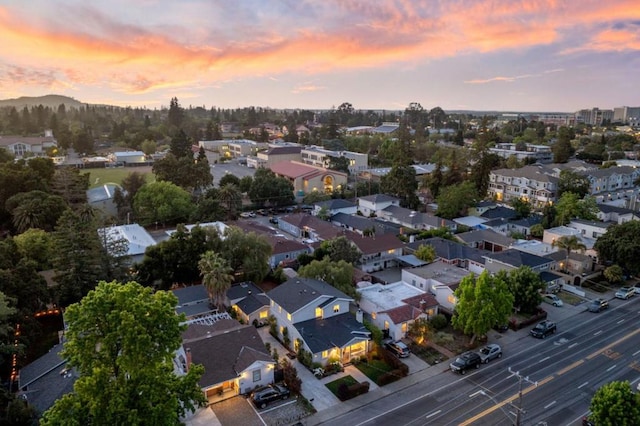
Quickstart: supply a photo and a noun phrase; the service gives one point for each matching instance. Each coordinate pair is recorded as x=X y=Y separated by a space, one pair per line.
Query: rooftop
x=389 y=296
x=440 y=272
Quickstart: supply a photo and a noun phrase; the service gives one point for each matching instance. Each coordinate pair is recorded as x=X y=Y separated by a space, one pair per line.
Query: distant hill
x=52 y=101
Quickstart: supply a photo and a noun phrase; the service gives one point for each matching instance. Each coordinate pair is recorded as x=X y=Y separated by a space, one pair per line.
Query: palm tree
x=216 y=277
x=231 y=198
x=569 y=243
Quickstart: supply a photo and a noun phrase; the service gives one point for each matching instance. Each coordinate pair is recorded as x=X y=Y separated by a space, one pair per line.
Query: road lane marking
x=583 y=385
x=621 y=321
x=544 y=359
x=505 y=402
x=610 y=345
x=611 y=368
x=434 y=413
x=635 y=353
x=597 y=332
x=573 y=345
x=570 y=367
x=549 y=404
x=476 y=393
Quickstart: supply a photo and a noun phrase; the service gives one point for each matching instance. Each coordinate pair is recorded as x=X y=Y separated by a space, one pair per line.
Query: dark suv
x=597 y=305
x=543 y=329
x=465 y=362
x=271 y=393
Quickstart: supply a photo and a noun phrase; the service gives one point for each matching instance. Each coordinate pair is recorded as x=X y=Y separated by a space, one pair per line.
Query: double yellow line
x=546 y=380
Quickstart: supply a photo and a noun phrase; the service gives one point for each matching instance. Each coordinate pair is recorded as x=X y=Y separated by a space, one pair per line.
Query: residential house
x=539 y=248
x=302 y=225
x=576 y=263
x=378 y=252
x=589 y=228
x=612 y=179
x=530 y=183
x=485 y=239
x=552 y=281
x=619 y=215
x=376 y=174
x=394 y=307
x=523 y=225
x=551 y=235
x=372 y=205
x=471 y=222
x=233 y=355
x=128 y=158
x=20 y=146
x=306 y=178
x=244 y=147
x=481 y=207
x=510 y=259
x=438 y=278
x=194 y=302
x=499 y=212
x=415 y=220
x=321 y=157
x=249 y=302
x=101 y=199
x=314 y=316
x=335 y=206
x=46 y=380
x=365 y=225
x=452 y=253
x=130 y=241
x=532 y=153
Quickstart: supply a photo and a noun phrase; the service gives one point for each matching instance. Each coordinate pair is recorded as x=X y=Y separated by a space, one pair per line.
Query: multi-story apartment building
x=612 y=179
x=593 y=116
x=318 y=156
x=533 y=153
x=530 y=183
x=627 y=114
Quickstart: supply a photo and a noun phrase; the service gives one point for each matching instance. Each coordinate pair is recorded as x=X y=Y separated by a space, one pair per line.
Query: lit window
x=289 y=317
x=257 y=375
x=336 y=309
x=280 y=309
x=386 y=325
x=318 y=312
x=404 y=327
x=373 y=315
x=325 y=354
x=264 y=314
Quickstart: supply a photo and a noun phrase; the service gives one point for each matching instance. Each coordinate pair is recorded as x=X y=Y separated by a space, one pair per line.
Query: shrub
x=389 y=377
x=439 y=322
x=343 y=392
x=358 y=389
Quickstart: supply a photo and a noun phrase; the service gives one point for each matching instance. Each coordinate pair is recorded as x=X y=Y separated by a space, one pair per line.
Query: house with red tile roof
x=307 y=178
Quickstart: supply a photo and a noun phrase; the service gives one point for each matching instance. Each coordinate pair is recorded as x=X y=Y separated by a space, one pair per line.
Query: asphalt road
x=563 y=372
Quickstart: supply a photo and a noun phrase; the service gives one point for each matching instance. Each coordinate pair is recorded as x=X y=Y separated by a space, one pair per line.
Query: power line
x=519 y=410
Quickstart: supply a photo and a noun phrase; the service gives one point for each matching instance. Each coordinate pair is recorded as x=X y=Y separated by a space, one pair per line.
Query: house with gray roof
x=611 y=179
x=529 y=182
x=129 y=241
x=485 y=239
x=46 y=379
x=101 y=198
x=335 y=206
x=193 y=301
x=614 y=214
x=365 y=225
x=439 y=279
x=315 y=315
x=249 y=302
x=415 y=220
x=452 y=253
x=371 y=205
x=233 y=355
x=510 y=259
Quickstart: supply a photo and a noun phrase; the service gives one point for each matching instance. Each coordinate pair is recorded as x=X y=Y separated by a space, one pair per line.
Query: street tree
x=161 y=202
x=315 y=197
x=621 y=245
x=615 y=404
x=454 y=200
x=614 y=274
x=216 y=277
x=401 y=183
x=339 y=274
x=483 y=302
x=526 y=287
x=570 y=181
x=341 y=248
x=121 y=339
x=562 y=149
x=569 y=243
x=426 y=253
x=229 y=178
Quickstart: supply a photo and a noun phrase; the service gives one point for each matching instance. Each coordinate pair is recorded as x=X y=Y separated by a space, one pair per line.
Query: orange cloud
x=347 y=34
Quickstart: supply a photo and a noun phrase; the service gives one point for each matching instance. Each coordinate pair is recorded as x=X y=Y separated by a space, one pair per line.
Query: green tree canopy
x=562 y=149
x=426 y=253
x=615 y=404
x=121 y=338
x=570 y=181
x=247 y=253
x=570 y=206
x=526 y=287
x=37 y=245
x=522 y=207
x=35 y=209
x=339 y=274
x=401 y=183
x=454 y=201
x=483 y=302
x=341 y=248
x=267 y=188
x=621 y=245
x=614 y=274
x=161 y=202
x=216 y=277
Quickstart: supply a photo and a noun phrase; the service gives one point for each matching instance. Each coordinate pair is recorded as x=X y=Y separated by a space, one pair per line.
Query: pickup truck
x=543 y=329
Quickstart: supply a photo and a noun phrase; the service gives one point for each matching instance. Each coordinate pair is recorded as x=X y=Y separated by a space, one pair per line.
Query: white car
x=489 y=352
x=552 y=299
x=625 y=292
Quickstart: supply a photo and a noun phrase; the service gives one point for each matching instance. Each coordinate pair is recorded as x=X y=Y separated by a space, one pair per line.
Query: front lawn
x=333 y=386
x=374 y=368
x=570 y=298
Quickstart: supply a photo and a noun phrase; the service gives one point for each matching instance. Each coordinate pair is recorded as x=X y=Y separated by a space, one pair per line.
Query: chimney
x=359 y=316
x=188 y=359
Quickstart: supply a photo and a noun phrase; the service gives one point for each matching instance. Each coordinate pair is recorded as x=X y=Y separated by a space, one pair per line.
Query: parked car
x=625 y=292
x=398 y=348
x=597 y=305
x=247 y=215
x=273 y=220
x=543 y=329
x=271 y=393
x=489 y=352
x=501 y=327
x=552 y=299
x=636 y=287
x=466 y=361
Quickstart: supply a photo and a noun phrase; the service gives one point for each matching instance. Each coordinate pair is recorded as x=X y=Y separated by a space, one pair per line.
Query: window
x=325 y=354
x=257 y=376
x=404 y=327
x=289 y=317
x=373 y=315
x=264 y=314
x=336 y=309
x=318 y=312
x=386 y=325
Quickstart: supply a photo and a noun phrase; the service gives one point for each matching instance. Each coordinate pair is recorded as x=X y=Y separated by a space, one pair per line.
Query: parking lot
x=218 y=171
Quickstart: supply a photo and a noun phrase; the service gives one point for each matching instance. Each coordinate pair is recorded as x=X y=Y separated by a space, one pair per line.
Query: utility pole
x=521 y=379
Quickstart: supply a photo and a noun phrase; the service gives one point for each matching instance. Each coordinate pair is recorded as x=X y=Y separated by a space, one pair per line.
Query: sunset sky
x=547 y=55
